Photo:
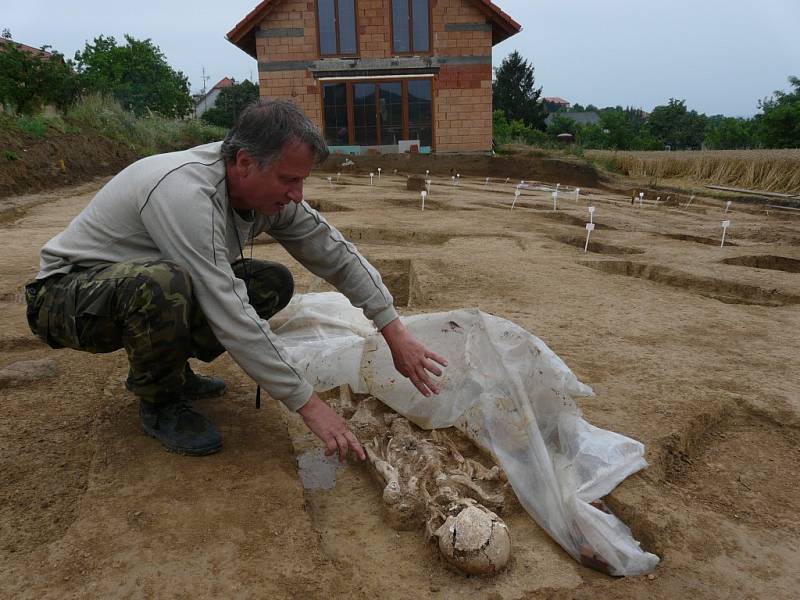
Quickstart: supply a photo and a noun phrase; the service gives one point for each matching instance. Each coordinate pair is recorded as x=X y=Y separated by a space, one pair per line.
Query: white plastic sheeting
x=507 y=391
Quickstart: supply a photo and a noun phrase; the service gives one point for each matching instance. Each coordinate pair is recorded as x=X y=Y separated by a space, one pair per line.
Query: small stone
x=25 y=371
x=651 y=577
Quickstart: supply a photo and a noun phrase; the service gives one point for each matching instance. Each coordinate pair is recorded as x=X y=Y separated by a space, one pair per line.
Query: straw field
x=766 y=170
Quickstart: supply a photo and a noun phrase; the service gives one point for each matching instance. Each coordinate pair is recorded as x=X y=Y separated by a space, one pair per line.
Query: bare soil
x=690 y=348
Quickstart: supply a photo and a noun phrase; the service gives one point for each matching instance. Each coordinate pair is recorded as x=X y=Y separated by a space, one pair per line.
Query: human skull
x=475 y=541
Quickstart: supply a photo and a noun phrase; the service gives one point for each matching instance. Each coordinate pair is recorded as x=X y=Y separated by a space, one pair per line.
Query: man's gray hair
x=266 y=127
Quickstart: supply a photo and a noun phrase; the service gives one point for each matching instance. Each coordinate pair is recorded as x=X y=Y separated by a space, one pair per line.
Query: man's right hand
x=331 y=428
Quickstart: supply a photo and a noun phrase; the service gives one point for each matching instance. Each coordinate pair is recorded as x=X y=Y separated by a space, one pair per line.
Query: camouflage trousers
x=147 y=308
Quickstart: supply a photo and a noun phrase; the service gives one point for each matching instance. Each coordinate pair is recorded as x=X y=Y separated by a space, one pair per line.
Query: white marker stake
x=577 y=195
x=658 y=199
x=337 y=177
x=379 y=173
x=641 y=199
x=727 y=206
x=330 y=180
x=589 y=229
x=485 y=183
x=516 y=197
x=458 y=178
x=591 y=214
x=725 y=225
x=371 y=175
x=507 y=178
x=428 y=183
x=423 y=193
x=555 y=200
x=427 y=172
x=689 y=202
x=453 y=177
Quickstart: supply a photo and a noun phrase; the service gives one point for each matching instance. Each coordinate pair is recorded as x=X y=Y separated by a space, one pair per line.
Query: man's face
x=267 y=191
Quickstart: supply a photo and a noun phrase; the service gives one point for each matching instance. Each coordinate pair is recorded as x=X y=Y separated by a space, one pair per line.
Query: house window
x=410 y=26
x=378 y=113
x=420 y=112
x=335 y=102
x=337 y=27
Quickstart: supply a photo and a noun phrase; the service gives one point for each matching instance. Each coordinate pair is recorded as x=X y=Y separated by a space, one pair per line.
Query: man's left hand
x=412 y=359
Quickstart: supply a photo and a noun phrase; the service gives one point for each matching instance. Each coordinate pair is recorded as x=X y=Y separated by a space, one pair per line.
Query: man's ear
x=245 y=164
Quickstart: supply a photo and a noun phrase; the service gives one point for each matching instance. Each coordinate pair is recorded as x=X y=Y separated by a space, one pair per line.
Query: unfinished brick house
x=382 y=75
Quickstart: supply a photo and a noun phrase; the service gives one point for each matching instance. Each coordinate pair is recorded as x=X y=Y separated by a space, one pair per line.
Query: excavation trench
x=729 y=292
x=595 y=246
x=769 y=262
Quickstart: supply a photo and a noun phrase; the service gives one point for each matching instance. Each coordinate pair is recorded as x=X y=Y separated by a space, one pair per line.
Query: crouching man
x=155 y=264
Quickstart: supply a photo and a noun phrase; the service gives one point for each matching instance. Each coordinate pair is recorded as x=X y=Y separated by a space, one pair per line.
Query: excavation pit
x=393 y=236
x=597 y=247
x=729 y=292
x=697 y=239
x=399 y=277
x=769 y=262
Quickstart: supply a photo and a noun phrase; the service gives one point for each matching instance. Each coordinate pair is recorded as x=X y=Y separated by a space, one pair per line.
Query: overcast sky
x=721 y=56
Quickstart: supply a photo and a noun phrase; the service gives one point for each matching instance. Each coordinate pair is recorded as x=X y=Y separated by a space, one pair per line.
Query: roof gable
x=243 y=34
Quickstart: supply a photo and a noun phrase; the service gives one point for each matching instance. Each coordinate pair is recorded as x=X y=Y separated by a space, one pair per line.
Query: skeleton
x=427 y=480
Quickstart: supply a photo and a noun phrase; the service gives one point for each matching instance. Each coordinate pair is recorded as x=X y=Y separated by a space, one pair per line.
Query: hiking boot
x=195 y=387
x=179 y=428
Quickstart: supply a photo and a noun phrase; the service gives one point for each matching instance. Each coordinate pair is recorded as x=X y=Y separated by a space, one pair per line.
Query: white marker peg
x=589 y=230
x=725 y=225
x=330 y=180
x=516 y=197
x=555 y=200
x=558 y=185
x=591 y=214
x=427 y=172
x=507 y=178
x=485 y=183
x=379 y=172
x=371 y=175
x=641 y=199
x=337 y=177
x=453 y=177
x=577 y=195
x=728 y=206
x=658 y=199
x=424 y=194
x=689 y=202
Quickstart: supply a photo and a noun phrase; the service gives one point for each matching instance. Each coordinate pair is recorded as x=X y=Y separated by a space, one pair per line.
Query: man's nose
x=295 y=193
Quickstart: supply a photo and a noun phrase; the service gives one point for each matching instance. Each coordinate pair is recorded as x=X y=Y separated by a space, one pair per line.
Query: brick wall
x=463 y=108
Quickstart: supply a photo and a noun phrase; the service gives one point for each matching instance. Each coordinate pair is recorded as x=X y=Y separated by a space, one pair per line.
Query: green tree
x=675 y=126
x=729 y=133
x=136 y=74
x=514 y=93
x=30 y=81
x=561 y=124
x=229 y=104
x=778 y=124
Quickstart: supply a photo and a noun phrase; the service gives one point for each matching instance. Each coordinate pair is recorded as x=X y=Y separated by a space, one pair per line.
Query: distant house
x=205 y=101
x=554 y=104
x=49 y=109
x=29 y=49
x=382 y=75
x=581 y=118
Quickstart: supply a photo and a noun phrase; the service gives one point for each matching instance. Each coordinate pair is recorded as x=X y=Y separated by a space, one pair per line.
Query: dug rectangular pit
x=595 y=246
x=769 y=262
x=393 y=236
x=708 y=241
x=399 y=277
x=326 y=206
x=729 y=292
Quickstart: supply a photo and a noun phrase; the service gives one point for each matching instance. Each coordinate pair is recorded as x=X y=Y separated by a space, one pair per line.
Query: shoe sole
x=185 y=451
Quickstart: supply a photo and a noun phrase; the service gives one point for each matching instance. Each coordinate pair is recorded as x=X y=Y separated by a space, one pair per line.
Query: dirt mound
x=530 y=167
x=29 y=163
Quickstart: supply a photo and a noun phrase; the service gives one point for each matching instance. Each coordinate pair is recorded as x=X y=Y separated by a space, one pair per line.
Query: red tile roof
x=223 y=83
x=25 y=48
x=242 y=35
